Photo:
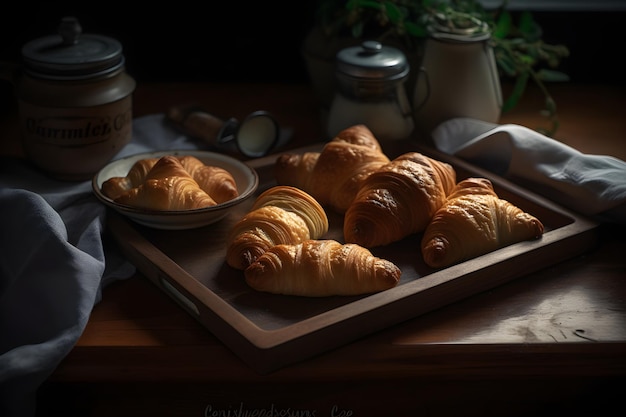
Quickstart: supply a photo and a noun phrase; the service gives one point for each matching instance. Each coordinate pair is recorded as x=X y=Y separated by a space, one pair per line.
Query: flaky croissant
x=333 y=175
x=397 y=200
x=116 y=186
x=318 y=268
x=280 y=215
x=167 y=186
x=215 y=181
x=475 y=221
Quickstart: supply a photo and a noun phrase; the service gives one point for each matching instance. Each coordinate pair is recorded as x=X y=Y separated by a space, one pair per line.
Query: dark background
x=179 y=40
x=261 y=40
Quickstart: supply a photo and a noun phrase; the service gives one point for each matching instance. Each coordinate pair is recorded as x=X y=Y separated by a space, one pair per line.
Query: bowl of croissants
x=175 y=189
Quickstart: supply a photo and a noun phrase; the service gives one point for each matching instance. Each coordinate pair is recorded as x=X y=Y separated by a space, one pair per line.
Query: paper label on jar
x=75 y=126
x=73 y=143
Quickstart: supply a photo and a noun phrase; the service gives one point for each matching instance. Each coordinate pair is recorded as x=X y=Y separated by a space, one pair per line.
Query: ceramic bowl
x=246 y=178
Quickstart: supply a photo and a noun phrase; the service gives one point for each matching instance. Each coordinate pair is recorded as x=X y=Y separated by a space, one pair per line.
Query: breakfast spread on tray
x=172 y=183
x=280 y=243
x=383 y=201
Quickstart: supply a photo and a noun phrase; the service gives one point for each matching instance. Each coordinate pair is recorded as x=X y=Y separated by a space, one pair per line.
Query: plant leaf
x=393 y=12
x=526 y=59
x=517 y=93
x=550 y=105
x=528 y=27
x=506 y=64
x=552 y=75
x=503 y=26
x=416 y=30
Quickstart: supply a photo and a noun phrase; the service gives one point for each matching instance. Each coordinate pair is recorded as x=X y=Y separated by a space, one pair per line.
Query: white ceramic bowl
x=246 y=178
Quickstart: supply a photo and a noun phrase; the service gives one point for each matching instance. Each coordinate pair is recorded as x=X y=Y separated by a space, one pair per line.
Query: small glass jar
x=75 y=102
x=371 y=91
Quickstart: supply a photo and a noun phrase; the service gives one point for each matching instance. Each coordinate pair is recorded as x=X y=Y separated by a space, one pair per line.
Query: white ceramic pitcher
x=457 y=78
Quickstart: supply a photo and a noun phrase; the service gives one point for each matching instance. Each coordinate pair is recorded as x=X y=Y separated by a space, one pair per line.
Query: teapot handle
x=422 y=70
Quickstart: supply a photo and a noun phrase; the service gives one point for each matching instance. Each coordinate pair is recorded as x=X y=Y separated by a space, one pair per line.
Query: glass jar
x=371 y=91
x=75 y=102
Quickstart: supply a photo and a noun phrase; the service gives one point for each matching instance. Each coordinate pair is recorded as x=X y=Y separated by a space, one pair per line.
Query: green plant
x=377 y=19
x=520 y=52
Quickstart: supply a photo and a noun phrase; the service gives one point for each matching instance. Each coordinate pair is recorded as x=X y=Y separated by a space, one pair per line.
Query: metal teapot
x=371 y=90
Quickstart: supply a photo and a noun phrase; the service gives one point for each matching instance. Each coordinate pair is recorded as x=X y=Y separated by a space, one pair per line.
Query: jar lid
x=372 y=60
x=72 y=55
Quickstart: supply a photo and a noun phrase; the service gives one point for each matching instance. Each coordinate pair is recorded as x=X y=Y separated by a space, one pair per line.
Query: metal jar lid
x=372 y=61
x=72 y=55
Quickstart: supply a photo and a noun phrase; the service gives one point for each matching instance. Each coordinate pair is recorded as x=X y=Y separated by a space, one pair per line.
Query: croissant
x=168 y=186
x=397 y=200
x=116 y=186
x=473 y=222
x=318 y=268
x=281 y=214
x=215 y=181
x=334 y=175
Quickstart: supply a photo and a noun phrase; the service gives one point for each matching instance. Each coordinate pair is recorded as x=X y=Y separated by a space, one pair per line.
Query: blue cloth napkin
x=54 y=264
x=593 y=185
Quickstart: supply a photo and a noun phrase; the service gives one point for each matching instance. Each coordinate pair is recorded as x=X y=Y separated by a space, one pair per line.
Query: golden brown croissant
x=333 y=175
x=116 y=186
x=168 y=186
x=473 y=222
x=281 y=214
x=397 y=200
x=215 y=181
x=318 y=268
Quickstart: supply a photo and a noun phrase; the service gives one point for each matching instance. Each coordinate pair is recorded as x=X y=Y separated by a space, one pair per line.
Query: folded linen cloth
x=593 y=185
x=54 y=264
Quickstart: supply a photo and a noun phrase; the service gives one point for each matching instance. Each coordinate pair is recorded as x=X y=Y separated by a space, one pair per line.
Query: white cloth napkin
x=593 y=185
x=54 y=264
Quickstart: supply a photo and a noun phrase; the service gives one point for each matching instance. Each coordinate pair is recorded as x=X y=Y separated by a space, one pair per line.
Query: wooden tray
x=272 y=331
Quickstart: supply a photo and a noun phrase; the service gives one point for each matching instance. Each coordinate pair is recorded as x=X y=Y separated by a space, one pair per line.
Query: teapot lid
x=372 y=60
x=72 y=55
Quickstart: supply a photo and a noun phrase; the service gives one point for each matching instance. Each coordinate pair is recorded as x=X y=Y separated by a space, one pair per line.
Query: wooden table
x=550 y=342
